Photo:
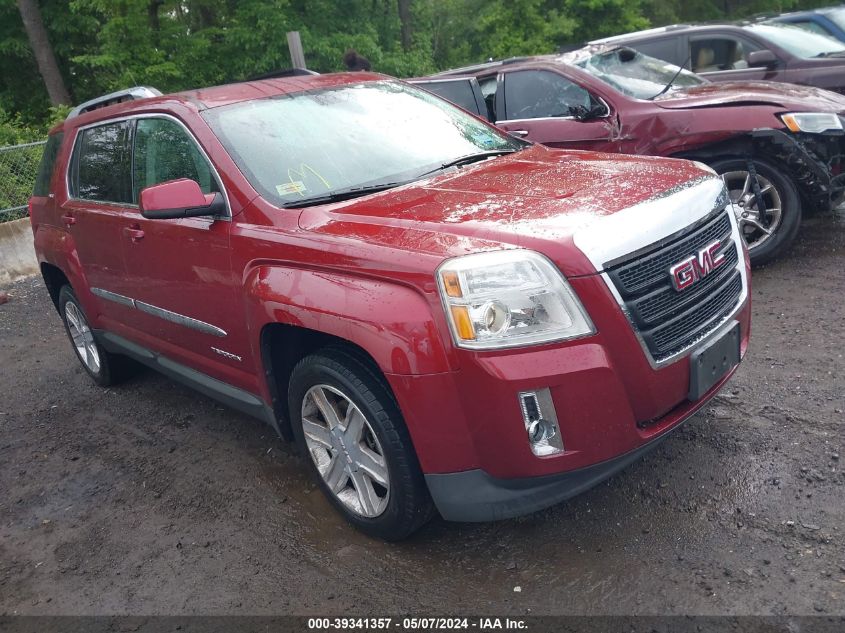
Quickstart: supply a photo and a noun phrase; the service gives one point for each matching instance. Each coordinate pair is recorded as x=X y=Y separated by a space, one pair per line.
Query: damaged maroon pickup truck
x=778 y=146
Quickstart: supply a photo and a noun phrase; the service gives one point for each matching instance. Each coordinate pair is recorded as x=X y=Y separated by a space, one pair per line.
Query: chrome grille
x=669 y=321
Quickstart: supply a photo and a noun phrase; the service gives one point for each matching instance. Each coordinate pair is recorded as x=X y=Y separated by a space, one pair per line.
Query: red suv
x=778 y=147
x=434 y=310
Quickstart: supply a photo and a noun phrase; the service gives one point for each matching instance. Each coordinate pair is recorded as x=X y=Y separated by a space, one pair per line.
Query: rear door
x=96 y=211
x=543 y=105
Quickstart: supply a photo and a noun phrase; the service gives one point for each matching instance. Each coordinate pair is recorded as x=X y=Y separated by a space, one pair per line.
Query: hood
x=538 y=198
x=770 y=93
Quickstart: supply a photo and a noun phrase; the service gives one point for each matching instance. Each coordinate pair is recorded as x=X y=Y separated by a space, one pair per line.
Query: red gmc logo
x=685 y=273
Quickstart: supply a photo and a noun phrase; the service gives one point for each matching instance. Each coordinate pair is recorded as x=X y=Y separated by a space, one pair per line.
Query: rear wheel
x=358 y=449
x=105 y=368
x=766 y=203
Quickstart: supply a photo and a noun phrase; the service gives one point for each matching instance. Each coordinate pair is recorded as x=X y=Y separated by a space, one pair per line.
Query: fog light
x=538 y=414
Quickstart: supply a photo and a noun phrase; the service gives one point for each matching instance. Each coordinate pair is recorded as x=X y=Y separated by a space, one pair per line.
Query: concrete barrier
x=17 y=255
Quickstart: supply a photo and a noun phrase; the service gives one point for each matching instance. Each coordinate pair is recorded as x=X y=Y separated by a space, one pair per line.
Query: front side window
x=102 y=164
x=164 y=151
x=310 y=145
x=535 y=94
x=719 y=53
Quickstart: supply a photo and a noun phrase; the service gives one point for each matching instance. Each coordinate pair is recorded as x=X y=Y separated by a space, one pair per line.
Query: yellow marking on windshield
x=303 y=168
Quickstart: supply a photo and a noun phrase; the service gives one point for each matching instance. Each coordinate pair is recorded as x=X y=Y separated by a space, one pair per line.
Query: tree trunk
x=43 y=51
x=152 y=16
x=405 y=22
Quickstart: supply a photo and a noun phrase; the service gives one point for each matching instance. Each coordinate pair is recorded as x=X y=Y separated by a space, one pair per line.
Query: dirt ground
x=152 y=499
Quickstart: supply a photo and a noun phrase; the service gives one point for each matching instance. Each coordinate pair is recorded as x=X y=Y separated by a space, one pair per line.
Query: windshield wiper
x=344 y=194
x=672 y=80
x=831 y=54
x=471 y=158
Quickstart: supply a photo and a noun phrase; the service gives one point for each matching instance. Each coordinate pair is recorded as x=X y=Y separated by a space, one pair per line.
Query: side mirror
x=581 y=113
x=181 y=198
x=761 y=59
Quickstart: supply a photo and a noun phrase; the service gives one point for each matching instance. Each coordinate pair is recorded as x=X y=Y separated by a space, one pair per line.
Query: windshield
x=799 y=42
x=315 y=144
x=635 y=74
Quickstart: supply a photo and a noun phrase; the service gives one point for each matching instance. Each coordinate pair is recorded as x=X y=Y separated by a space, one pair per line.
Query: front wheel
x=766 y=203
x=357 y=447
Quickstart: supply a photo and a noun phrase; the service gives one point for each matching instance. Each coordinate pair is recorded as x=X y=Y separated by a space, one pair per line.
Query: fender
x=394 y=323
x=56 y=247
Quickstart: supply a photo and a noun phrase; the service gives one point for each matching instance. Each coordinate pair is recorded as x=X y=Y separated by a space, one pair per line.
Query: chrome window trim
x=161 y=313
x=133 y=117
x=562 y=118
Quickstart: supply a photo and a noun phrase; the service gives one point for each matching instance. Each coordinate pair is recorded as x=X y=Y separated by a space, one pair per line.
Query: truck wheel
x=770 y=229
x=105 y=368
x=347 y=423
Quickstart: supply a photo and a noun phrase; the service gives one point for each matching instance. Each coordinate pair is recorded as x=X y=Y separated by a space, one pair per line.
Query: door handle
x=68 y=219
x=518 y=132
x=134 y=233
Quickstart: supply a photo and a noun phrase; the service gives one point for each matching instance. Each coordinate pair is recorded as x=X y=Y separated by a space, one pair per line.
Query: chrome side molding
x=161 y=313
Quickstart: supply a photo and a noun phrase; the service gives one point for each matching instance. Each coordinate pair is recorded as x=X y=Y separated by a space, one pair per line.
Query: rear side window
x=102 y=164
x=164 y=151
x=665 y=49
x=48 y=163
x=458 y=92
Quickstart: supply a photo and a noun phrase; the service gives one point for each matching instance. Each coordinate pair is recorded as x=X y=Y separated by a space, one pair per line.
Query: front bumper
x=815 y=161
x=475 y=495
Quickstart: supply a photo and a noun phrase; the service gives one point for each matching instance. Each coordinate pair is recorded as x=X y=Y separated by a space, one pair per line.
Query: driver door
x=179 y=270
x=540 y=105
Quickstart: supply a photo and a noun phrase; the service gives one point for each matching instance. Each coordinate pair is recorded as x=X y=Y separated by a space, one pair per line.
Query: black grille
x=649 y=270
x=669 y=320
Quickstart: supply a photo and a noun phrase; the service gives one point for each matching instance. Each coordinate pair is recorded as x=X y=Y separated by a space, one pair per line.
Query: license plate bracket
x=710 y=363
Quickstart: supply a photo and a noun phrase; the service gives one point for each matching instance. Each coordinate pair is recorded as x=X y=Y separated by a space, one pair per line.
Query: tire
x=783 y=194
x=373 y=477
x=105 y=368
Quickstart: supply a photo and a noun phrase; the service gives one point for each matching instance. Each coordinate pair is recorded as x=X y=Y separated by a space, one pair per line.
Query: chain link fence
x=18 y=168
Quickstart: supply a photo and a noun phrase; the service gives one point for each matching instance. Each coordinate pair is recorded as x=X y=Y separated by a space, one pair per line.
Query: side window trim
x=72 y=176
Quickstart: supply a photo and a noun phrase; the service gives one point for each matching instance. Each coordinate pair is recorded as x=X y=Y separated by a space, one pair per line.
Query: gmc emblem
x=685 y=273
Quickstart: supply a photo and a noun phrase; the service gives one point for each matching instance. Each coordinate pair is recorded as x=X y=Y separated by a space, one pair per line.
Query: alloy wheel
x=82 y=337
x=756 y=225
x=345 y=450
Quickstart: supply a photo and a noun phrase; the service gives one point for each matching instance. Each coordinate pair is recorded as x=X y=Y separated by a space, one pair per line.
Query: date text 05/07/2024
x=417 y=624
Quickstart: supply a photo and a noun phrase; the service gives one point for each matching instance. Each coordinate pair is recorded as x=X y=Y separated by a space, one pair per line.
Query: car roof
x=662 y=30
x=216 y=96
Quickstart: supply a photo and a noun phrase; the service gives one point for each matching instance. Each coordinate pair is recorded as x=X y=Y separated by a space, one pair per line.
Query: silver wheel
x=82 y=337
x=345 y=450
x=756 y=225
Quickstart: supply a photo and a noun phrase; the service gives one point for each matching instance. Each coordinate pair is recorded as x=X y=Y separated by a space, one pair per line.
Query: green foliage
x=105 y=45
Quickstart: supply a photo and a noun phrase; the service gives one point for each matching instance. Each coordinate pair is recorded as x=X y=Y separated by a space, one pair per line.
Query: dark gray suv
x=753 y=52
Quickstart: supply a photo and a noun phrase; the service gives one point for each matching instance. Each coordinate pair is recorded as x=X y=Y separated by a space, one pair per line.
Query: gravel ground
x=151 y=499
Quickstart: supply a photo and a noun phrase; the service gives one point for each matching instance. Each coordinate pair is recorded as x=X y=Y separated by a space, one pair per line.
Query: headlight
x=509 y=298
x=812 y=122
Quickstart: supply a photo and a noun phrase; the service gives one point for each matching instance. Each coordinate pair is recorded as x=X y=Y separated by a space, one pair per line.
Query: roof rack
x=129 y=94
x=282 y=72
